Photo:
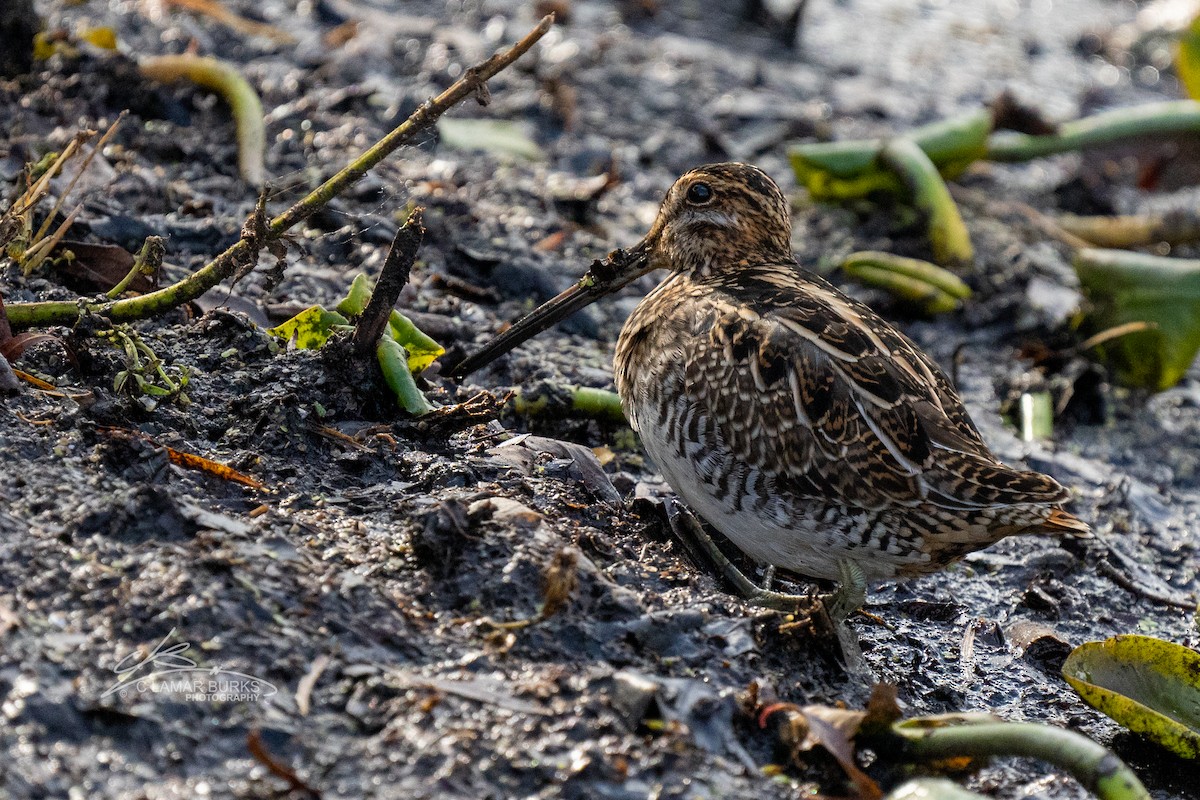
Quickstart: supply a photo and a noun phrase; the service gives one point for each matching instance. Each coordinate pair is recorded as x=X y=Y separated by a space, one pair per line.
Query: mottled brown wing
x=814 y=388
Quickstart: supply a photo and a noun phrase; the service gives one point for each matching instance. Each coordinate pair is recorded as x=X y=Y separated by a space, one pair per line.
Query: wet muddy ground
x=371 y=582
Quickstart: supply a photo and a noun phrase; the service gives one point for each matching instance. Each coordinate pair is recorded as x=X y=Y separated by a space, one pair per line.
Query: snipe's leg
x=850 y=594
x=838 y=606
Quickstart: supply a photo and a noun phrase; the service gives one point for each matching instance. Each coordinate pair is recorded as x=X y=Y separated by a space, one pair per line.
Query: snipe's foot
x=837 y=606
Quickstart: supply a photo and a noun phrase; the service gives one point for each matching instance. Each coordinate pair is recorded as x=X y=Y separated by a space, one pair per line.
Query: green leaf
x=1187 y=59
x=948 y=236
x=394 y=362
x=850 y=169
x=931 y=288
x=311 y=328
x=496 y=136
x=355 y=301
x=1125 y=287
x=1150 y=686
x=421 y=349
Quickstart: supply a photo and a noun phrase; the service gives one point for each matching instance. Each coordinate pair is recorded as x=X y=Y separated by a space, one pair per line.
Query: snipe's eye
x=699 y=194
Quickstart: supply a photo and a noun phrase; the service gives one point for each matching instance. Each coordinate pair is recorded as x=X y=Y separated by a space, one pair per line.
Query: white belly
x=797 y=533
x=793 y=533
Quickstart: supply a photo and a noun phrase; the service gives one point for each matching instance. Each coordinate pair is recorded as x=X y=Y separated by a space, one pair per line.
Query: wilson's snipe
x=796 y=421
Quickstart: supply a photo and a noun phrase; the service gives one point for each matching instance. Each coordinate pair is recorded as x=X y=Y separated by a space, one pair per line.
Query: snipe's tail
x=1064 y=522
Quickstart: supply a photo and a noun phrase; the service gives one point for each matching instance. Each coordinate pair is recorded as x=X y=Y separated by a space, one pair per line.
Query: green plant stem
x=1096 y=767
x=932 y=789
x=934 y=289
x=953 y=142
x=849 y=170
x=147 y=262
x=1116 y=264
x=1109 y=127
x=1173 y=227
x=474 y=80
x=224 y=79
x=1036 y=416
x=569 y=401
x=948 y=235
x=393 y=360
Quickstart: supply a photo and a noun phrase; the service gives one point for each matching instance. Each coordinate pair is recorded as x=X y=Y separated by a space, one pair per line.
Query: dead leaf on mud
x=191 y=460
x=97 y=267
x=520 y=451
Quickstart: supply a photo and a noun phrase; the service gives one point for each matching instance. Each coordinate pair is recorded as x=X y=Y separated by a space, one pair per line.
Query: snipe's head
x=717 y=217
x=712 y=221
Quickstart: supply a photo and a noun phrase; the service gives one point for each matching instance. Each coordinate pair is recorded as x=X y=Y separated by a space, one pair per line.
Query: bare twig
x=998 y=208
x=392 y=278
x=1126 y=582
x=25 y=315
x=258 y=749
x=5 y=330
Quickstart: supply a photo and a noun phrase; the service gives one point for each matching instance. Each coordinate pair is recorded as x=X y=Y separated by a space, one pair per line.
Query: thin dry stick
x=392 y=279
x=5 y=330
x=998 y=208
x=87 y=162
x=259 y=234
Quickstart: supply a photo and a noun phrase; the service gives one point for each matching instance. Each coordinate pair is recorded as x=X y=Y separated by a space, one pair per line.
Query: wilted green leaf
x=311 y=328
x=355 y=301
x=928 y=286
x=420 y=348
x=927 y=192
x=497 y=136
x=1150 y=686
x=394 y=360
x=851 y=169
x=1128 y=287
x=1187 y=59
x=811 y=167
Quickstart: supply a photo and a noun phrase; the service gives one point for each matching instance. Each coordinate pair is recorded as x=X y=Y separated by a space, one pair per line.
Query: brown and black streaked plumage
x=791 y=417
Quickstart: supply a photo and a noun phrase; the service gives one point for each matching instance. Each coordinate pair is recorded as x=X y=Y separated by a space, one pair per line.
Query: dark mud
x=371 y=583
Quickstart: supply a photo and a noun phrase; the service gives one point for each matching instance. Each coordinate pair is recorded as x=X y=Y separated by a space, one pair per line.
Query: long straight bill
x=605 y=277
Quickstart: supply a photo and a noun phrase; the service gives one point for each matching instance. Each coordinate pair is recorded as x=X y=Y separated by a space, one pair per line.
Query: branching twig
x=26 y=315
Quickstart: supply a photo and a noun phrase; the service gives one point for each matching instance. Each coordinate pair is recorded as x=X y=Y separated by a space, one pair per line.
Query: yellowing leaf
x=420 y=348
x=1150 y=686
x=310 y=329
x=45 y=46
